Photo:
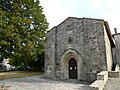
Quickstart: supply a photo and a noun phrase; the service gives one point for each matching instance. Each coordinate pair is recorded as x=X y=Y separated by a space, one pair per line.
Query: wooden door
x=72 y=69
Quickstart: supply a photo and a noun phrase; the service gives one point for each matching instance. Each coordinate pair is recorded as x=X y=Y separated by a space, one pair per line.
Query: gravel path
x=40 y=83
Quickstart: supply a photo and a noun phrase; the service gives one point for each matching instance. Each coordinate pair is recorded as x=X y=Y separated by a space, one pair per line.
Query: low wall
x=113 y=74
x=116 y=73
x=100 y=82
x=102 y=78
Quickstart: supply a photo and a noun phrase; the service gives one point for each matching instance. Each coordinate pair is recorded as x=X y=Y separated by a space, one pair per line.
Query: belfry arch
x=65 y=59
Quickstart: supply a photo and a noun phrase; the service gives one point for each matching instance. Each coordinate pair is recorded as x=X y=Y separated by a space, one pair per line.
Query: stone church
x=79 y=48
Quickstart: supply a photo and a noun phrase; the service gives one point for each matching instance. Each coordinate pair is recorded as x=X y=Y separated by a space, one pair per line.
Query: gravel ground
x=40 y=83
x=112 y=84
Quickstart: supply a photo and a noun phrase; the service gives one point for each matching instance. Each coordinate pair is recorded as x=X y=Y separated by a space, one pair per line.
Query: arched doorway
x=72 y=68
x=66 y=58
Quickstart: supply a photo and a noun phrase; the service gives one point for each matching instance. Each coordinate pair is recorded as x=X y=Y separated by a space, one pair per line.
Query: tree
x=22 y=30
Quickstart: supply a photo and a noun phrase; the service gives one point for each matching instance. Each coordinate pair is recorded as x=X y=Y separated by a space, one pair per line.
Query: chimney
x=115 y=29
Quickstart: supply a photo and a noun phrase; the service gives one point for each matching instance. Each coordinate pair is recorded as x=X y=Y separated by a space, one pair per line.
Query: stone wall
x=79 y=38
x=69 y=29
x=99 y=84
x=50 y=54
x=116 y=52
x=105 y=80
x=94 y=48
x=108 y=51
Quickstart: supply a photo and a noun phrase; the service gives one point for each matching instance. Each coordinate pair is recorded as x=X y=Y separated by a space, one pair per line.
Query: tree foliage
x=22 y=31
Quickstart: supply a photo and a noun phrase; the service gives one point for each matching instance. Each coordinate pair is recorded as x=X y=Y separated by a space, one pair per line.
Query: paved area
x=112 y=84
x=40 y=83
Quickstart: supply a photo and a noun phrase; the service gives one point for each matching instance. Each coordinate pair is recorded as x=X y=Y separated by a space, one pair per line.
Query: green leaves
x=22 y=30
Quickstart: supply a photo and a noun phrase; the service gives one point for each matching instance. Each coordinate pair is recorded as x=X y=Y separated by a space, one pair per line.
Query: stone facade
x=86 y=40
x=116 y=50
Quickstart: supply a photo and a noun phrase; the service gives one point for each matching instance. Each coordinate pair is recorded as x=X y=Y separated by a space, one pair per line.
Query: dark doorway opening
x=72 y=68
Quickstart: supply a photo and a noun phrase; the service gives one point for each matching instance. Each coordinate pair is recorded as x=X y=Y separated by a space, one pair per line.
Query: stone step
x=112 y=84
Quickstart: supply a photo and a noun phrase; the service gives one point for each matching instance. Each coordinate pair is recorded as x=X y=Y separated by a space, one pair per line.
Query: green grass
x=18 y=74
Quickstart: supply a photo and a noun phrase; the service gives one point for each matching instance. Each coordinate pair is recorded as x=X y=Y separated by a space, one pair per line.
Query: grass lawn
x=18 y=74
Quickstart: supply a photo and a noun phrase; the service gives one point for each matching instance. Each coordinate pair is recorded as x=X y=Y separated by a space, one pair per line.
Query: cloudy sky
x=57 y=11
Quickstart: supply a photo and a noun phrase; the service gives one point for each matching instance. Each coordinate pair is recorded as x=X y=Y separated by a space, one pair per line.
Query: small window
x=70 y=40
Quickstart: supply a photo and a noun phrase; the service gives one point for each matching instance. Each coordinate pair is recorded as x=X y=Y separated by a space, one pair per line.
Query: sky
x=57 y=11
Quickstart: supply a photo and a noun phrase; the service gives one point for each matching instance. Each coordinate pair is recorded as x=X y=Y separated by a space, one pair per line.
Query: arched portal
x=72 y=68
x=68 y=57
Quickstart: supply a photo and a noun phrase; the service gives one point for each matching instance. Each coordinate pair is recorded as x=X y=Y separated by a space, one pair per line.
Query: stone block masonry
x=86 y=41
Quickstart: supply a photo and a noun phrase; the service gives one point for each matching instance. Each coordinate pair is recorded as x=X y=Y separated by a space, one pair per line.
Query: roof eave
x=109 y=33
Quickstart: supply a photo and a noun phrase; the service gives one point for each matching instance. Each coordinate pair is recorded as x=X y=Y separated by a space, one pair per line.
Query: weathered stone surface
x=102 y=76
x=116 y=50
x=114 y=74
x=112 y=84
x=117 y=68
x=99 y=84
x=83 y=39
